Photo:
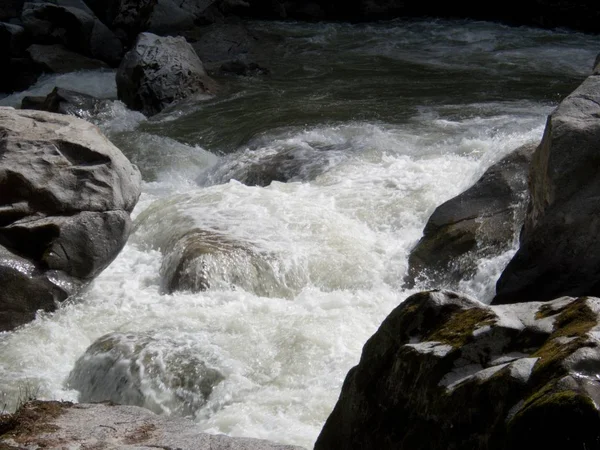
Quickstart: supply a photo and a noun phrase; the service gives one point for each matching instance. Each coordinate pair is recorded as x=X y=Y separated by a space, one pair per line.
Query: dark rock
x=480 y=222
x=559 y=250
x=64 y=425
x=136 y=369
x=74 y=28
x=167 y=17
x=63 y=101
x=159 y=71
x=596 y=69
x=10 y=9
x=127 y=18
x=19 y=74
x=64 y=214
x=450 y=373
x=27 y=289
x=57 y=59
x=13 y=41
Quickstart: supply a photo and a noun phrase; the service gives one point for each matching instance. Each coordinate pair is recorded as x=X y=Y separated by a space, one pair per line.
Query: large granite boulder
x=56 y=58
x=163 y=375
x=60 y=425
x=159 y=71
x=481 y=222
x=64 y=214
x=74 y=28
x=450 y=373
x=559 y=250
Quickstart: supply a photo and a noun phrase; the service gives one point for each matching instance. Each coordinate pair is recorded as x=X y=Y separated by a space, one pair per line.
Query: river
x=371 y=127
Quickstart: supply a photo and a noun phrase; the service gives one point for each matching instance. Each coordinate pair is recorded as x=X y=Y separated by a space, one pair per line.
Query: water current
x=363 y=130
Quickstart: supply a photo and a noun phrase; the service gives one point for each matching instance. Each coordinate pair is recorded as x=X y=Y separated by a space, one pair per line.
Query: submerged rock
x=559 y=251
x=480 y=222
x=164 y=376
x=448 y=372
x=99 y=426
x=64 y=214
x=58 y=59
x=159 y=71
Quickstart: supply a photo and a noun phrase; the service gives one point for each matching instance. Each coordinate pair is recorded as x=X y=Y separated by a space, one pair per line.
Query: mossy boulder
x=559 y=252
x=481 y=222
x=447 y=372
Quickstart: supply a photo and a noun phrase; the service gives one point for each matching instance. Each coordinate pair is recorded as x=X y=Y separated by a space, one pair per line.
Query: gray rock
x=64 y=101
x=168 y=17
x=65 y=212
x=159 y=71
x=196 y=7
x=57 y=59
x=126 y=17
x=559 y=250
x=112 y=427
x=596 y=69
x=13 y=40
x=162 y=375
x=72 y=27
x=60 y=165
x=480 y=222
x=446 y=372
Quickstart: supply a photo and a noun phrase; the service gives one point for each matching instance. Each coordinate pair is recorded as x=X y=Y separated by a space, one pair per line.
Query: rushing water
x=371 y=127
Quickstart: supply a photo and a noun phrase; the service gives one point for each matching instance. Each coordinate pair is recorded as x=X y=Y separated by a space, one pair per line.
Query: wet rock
x=159 y=71
x=13 y=41
x=596 y=69
x=559 y=250
x=101 y=426
x=57 y=59
x=162 y=375
x=19 y=73
x=448 y=372
x=64 y=101
x=10 y=9
x=199 y=260
x=65 y=211
x=480 y=222
x=74 y=28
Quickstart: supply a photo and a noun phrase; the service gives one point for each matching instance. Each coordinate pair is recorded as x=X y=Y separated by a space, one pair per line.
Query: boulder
x=65 y=213
x=159 y=71
x=13 y=41
x=447 y=372
x=10 y=9
x=168 y=17
x=127 y=18
x=481 y=222
x=64 y=101
x=57 y=59
x=559 y=251
x=162 y=375
x=74 y=28
x=59 y=425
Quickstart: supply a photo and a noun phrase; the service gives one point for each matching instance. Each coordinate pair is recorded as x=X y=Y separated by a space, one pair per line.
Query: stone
x=159 y=71
x=64 y=101
x=102 y=426
x=57 y=59
x=64 y=212
x=559 y=251
x=167 y=17
x=13 y=41
x=447 y=372
x=127 y=18
x=10 y=9
x=596 y=68
x=162 y=375
x=481 y=222
x=74 y=28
